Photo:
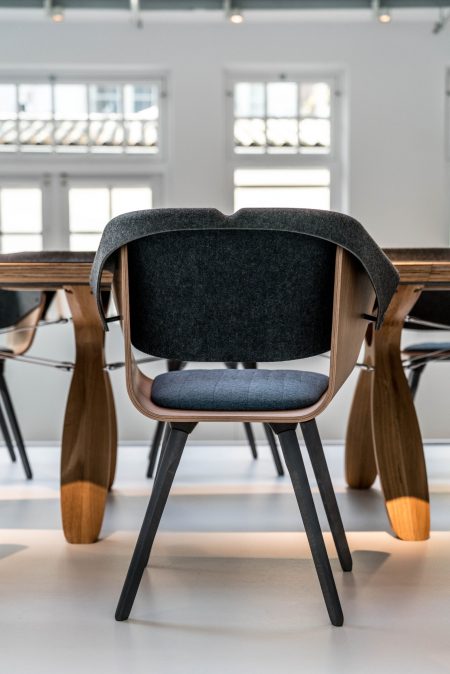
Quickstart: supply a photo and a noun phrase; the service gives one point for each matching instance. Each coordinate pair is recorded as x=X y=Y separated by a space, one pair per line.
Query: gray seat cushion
x=428 y=346
x=234 y=390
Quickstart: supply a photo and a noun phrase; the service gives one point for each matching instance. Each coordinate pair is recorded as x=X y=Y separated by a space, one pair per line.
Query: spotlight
x=55 y=12
x=233 y=14
x=384 y=16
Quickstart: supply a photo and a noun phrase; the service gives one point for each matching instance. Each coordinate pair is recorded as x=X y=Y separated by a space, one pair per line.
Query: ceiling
x=186 y=5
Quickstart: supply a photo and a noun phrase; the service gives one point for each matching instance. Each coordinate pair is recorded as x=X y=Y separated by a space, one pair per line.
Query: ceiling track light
x=443 y=19
x=382 y=14
x=54 y=11
x=135 y=9
x=233 y=14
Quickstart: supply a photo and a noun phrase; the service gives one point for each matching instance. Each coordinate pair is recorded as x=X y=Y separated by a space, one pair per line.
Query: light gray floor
x=231 y=589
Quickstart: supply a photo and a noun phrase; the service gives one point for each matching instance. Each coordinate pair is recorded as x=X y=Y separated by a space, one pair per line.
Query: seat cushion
x=428 y=346
x=234 y=390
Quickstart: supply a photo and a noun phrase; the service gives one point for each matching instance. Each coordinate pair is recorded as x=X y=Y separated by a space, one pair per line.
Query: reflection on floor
x=231 y=588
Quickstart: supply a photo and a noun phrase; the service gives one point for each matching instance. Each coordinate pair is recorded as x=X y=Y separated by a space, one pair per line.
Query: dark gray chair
x=20 y=311
x=262 y=285
x=172 y=366
x=431 y=312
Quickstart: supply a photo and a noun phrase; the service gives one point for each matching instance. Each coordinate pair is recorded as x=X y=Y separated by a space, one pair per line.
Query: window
x=90 y=208
x=285 y=145
x=20 y=218
x=94 y=117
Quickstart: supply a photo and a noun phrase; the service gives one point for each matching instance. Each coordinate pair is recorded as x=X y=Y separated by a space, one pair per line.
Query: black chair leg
x=251 y=439
x=163 y=447
x=414 y=378
x=15 y=426
x=296 y=468
x=274 y=449
x=319 y=464
x=7 y=436
x=156 y=441
x=164 y=478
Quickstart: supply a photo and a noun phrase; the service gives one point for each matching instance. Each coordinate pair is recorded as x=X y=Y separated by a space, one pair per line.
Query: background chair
x=184 y=291
x=430 y=313
x=173 y=365
x=20 y=313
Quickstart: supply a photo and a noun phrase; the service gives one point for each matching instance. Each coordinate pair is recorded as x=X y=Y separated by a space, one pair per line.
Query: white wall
x=398 y=174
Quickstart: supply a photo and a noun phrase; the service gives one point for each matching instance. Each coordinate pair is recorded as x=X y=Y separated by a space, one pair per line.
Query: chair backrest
x=231 y=295
x=432 y=306
x=16 y=305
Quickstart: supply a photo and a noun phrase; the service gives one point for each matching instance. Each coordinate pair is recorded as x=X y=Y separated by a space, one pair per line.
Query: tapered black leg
x=163 y=447
x=296 y=468
x=7 y=436
x=161 y=488
x=319 y=464
x=15 y=426
x=251 y=439
x=414 y=378
x=274 y=449
x=156 y=441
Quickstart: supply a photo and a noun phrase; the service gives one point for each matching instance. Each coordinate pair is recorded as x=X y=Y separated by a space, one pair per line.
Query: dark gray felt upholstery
x=221 y=295
x=335 y=228
x=231 y=390
x=15 y=305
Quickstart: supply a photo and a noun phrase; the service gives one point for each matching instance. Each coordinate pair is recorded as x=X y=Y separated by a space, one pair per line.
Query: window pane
x=141 y=101
x=8 y=103
x=295 y=188
x=21 y=210
x=249 y=99
x=35 y=101
x=84 y=241
x=282 y=134
x=284 y=197
x=105 y=100
x=15 y=243
x=142 y=134
x=282 y=99
x=8 y=134
x=315 y=99
x=71 y=134
x=70 y=101
x=36 y=133
x=107 y=133
x=126 y=199
x=88 y=209
x=281 y=177
x=315 y=135
x=250 y=134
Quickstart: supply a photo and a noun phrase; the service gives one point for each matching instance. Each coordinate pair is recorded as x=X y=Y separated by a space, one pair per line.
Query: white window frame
x=334 y=161
x=99 y=77
x=52 y=170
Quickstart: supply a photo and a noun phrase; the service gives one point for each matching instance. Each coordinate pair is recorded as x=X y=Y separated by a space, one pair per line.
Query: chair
x=431 y=312
x=173 y=365
x=261 y=285
x=20 y=312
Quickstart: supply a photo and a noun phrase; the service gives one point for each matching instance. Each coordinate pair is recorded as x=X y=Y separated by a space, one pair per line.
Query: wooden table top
x=55 y=269
x=48 y=269
x=430 y=266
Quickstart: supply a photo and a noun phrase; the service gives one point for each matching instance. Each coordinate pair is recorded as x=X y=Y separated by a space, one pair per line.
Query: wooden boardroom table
x=383 y=433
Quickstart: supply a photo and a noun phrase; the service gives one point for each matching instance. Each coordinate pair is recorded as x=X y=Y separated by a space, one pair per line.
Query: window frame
x=100 y=77
x=334 y=161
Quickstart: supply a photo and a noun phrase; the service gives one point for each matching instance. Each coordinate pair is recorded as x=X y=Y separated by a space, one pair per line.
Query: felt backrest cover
x=231 y=294
x=15 y=305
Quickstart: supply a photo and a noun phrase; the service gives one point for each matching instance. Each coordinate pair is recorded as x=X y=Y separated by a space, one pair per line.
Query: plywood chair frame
x=353 y=304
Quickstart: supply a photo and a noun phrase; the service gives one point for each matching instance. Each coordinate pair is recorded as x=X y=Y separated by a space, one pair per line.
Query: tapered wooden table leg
x=89 y=426
x=396 y=433
x=360 y=466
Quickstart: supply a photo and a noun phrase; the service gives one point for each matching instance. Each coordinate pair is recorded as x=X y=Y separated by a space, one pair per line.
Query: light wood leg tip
x=410 y=518
x=82 y=505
